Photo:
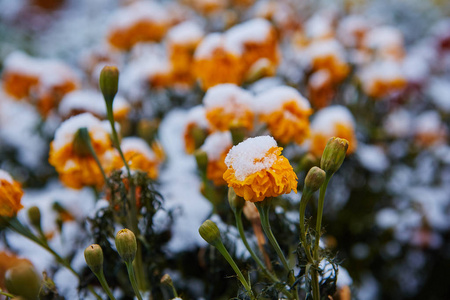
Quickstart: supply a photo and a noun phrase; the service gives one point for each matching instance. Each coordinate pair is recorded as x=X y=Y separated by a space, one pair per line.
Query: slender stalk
x=263 y=208
x=219 y=245
x=6 y=294
x=238 y=216
x=115 y=138
x=315 y=273
x=91 y=289
x=86 y=137
x=101 y=278
x=132 y=277
x=174 y=290
x=306 y=196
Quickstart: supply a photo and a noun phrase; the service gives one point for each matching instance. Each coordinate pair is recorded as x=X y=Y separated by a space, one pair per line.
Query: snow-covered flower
x=140 y=156
x=228 y=105
x=196 y=129
x=80 y=169
x=257 y=170
x=286 y=113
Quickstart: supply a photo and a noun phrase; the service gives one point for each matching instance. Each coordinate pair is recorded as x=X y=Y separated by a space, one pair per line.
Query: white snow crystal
x=216 y=143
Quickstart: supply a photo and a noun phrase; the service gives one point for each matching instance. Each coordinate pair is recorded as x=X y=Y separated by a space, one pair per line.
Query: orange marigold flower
x=139 y=22
x=196 y=129
x=228 y=104
x=140 y=156
x=385 y=42
x=182 y=40
x=41 y=81
x=286 y=113
x=429 y=130
x=77 y=169
x=216 y=147
x=217 y=62
x=332 y=121
x=329 y=54
x=256 y=170
x=382 y=79
x=256 y=40
x=10 y=195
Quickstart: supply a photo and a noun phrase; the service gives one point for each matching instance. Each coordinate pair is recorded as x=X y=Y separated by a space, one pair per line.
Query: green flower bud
x=34 y=215
x=109 y=82
x=307 y=162
x=236 y=202
x=210 y=232
x=167 y=280
x=22 y=280
x=81 y=142
x=199 y=135
x=202 y=160
x=334 y=154
x=93 y=255
x=126 y=245
x=314 y=179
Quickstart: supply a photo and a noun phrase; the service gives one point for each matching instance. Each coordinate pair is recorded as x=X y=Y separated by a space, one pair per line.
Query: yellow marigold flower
x=216 y=62
x=196 y=129
x=228 y=104
x=140 y=156
x=10 y=195
x=256 y=170
x=182 y=40
x=82 y=101
x=332 y=121
x=208 y=7
x=382 y=79
x=43 y=82
x=77 y=170
x=216 y=147
x=256 y=40
x=138 y=22
x=329 y=55
x=286 y=113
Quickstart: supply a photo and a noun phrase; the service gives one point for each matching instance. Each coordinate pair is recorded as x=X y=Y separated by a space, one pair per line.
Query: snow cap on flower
x=228 y=104
x=332 y=121
x=381 y=79
x=186 y=33
x=10 y=195
x=256 y=170
x=196 y=128
x=286 y=113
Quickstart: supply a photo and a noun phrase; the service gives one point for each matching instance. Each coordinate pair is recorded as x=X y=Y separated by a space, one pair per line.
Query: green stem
x=101 y=278
x=19 y=228
x=115 y=137
x=132 y=277
x=238 y=216
x=306 y=196
x=315 y=273
x=6 y=294
x=219 y=245
x=91 y=289
x=263 y=208
x=175 y=294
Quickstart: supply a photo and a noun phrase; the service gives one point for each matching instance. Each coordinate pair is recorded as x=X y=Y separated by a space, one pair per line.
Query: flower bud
x=334 y=154
x=202 y=160
x=167 y=280
x=93 y=255
x=22 y=280
x=199 y=135
x=237 y=133
x=126 y=245
x=314 y=179
x=34 y=215
x=109 y=82
x=307 y=162
x=210 y=232
x=236 y=202
x=81 y=142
